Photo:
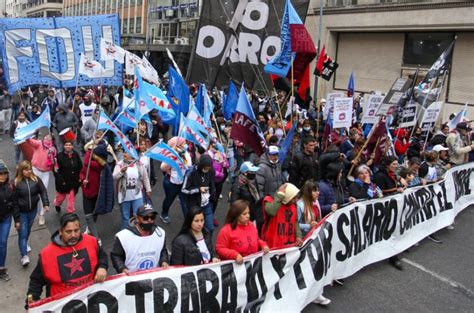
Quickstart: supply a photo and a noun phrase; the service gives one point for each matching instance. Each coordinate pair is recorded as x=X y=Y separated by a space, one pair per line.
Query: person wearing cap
x=132 y=178
x=7 y=211
x=200 y=190
x=245 y=188
x=140 y=246
x=70 y=260
x=269 y=175
x=443 y=163
x=458 y=144
x=281 y=226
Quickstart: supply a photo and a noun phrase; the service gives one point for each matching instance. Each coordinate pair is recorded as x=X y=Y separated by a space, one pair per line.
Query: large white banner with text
x=286 y=280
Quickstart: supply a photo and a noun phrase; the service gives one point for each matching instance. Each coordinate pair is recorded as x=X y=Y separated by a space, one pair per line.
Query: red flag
x=376 y=145
x=303 y=46
x=304 y=84
x=322 y=57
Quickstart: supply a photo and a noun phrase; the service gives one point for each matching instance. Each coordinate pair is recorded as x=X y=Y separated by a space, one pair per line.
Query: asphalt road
x=436 y=277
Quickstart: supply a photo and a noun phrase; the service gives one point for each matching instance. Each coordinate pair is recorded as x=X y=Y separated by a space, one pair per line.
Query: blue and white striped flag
x=23 y=133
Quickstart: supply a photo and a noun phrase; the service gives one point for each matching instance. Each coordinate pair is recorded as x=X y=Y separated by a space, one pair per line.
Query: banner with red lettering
x=285 y=280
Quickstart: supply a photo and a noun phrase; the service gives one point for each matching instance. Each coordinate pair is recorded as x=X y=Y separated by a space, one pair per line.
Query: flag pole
x=437 y=98
x=316 y=77
x=292 y=89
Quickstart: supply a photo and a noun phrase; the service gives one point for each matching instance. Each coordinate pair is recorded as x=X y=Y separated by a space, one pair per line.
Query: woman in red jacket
x=239 y=236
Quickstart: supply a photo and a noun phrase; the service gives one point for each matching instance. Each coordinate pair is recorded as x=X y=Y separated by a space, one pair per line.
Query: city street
x=436 y=277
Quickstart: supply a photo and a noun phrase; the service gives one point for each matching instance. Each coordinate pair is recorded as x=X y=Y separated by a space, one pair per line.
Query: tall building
x=42 y=8
x=14 y=8
x=133 y=15
x=380 y=40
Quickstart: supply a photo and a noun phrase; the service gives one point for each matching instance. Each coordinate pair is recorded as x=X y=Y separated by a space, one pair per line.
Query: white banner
x=329 y=107
x=371 y=108
x=430 y=117
x=285 y=280
x=342 y=113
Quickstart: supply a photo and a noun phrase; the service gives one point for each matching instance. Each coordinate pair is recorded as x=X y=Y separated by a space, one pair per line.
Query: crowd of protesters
x=275 y=199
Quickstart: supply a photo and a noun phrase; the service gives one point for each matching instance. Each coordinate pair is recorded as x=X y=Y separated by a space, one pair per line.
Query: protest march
x=313 y=188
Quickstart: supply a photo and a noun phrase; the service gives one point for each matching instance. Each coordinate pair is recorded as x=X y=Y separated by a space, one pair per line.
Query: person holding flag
x=131 y=177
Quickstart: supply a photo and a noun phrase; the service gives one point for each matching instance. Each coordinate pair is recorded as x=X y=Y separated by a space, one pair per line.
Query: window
x=138 y=27
x=125 y=26
x=425 y=48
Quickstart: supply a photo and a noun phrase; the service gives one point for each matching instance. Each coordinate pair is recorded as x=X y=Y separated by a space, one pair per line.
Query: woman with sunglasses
x=142 y=245
x=193 y=245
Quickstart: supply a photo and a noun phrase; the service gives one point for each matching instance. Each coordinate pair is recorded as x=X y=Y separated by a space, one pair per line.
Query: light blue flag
x=23 y=133
x=195 y=117
x=208 y=109
x=164 y=153
x=191 y=133
x=286 y=145
x=281 y=63
x=161 y=103
x=178 y=89
x=105 y=123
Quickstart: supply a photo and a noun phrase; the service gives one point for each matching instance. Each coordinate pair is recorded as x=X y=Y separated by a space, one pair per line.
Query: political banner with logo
x=342 y=113
x=370 y=109
x=48 y=50
x=236 y=39
x=288 y=279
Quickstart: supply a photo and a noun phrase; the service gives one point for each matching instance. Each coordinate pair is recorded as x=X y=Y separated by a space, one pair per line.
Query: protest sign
x=430 y=117
x=409 y=114
x=285 y=280
x=329 y=107
x=395 y=94
x=371 y=107
x=342 y=113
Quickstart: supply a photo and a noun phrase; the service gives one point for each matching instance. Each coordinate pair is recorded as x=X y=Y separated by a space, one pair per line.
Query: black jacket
x=304 y=167
x=6 y=202
x=358 y=191
x=117 y=255
x=69 y=168
x=197 y=179
x=385 y=182
x=27 y=193
x=37 y=279
x=185 y=251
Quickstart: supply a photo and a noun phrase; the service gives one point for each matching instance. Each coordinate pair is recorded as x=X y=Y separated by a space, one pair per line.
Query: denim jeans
x=26 y=222
x=125 y=209
x=171 y=192
x=208 y=217
x=5 y=225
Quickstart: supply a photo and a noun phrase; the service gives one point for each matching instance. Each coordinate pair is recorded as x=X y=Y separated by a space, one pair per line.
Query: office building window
x=138 y=28
x=425 y=48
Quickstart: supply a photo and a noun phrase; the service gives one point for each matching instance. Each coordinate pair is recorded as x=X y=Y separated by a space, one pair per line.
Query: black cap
x=3 y=167
x=145 y=210
x=463 y=125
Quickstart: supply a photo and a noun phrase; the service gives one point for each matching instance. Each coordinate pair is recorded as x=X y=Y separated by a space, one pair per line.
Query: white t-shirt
x=132 y=181
x=206 y=256
x=87 y=111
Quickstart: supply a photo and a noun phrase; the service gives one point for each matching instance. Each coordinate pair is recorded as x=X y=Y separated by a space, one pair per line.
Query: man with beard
x=70 y=260
x=142 y=245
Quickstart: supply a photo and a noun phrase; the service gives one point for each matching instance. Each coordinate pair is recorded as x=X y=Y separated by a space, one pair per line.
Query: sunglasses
x=149 y=217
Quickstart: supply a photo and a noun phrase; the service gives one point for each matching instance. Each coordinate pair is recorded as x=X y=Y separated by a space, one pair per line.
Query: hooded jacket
x=7 y=208
x=63 y=255
x=197 y=179
x=304 y=167
x=66 y=177
x=269 y=177
x=65 y=119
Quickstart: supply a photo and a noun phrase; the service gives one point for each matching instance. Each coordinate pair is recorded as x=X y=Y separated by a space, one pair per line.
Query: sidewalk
x=14 y=292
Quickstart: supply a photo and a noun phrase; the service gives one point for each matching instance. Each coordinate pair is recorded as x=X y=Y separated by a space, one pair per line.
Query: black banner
x=236 y=39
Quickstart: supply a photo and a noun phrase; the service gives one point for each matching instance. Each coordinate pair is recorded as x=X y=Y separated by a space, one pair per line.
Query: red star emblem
x=75 y=265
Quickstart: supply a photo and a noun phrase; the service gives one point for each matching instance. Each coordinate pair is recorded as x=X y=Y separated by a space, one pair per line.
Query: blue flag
x=286 y=145
x=350 y=85
x=164 y=153
x=161 y=103
x=230 y=101
x=199 y=102
x=23 y=133
x=189 y=131
x=178 y=90
x=105 y=123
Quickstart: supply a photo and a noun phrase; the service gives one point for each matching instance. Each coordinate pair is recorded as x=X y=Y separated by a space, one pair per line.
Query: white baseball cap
x=439 y=148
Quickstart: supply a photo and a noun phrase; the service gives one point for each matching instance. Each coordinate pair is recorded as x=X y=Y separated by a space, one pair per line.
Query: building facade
x=133 y=15
x=42 y=8
x=14 y=8
x=380 y=40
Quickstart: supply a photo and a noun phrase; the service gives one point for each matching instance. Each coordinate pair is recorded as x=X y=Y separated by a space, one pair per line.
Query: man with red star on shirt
x=70 y=260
